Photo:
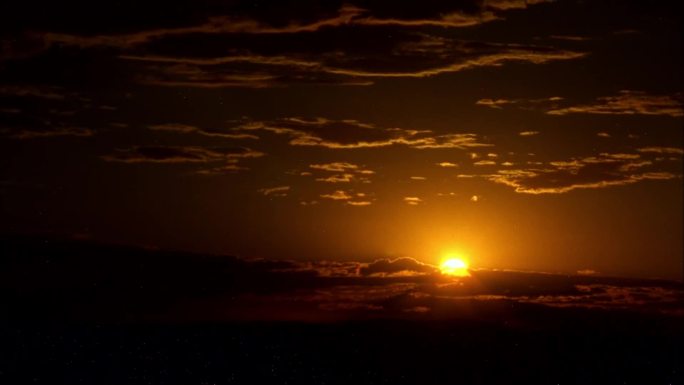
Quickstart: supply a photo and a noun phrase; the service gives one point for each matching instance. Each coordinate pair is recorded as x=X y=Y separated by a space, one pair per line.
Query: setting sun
x=454 y=266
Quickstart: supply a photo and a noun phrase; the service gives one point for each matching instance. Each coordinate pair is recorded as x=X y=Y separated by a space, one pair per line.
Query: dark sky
x=538 y=135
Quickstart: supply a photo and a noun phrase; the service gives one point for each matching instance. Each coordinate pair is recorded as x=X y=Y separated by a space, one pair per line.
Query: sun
x=454 y=266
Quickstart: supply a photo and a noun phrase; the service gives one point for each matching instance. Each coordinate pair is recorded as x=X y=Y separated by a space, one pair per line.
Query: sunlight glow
x=455 y=266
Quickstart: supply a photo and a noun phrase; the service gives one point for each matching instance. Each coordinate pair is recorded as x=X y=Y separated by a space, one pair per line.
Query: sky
x=527 y=135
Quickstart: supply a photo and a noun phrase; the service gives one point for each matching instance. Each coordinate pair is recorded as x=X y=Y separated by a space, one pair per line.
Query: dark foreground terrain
x=82 y=313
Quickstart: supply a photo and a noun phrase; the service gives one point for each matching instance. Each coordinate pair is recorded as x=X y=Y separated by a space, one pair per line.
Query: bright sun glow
x=454 y=266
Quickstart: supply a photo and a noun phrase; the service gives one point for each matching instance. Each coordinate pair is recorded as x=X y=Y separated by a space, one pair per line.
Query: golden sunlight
x=454 y=266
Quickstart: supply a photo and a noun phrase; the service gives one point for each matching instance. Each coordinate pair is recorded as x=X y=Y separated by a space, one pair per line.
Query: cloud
x=447 y=164
x=662 y=150
x=230 y=168
x=570 y=37
x=352 y=134
x=399 y=266
x=337 y=195
x=40 y=111
x=528 y=133
x=493 y=103
x=338 y=178
x=408 y=54
x=237 y=47
x=413 y=201
x=485 y=163
x=49 y=132
x=456 y=15
x=359 y=203
x=34 y=91
x=418 y=178
x=628 y=102
x=513 y=4
x=279 y=191
x=335 y=166
x=347 y=172
x=179 y=154
x=528 y=104
x=187 y=129
x=586 y=272
x=601 y=171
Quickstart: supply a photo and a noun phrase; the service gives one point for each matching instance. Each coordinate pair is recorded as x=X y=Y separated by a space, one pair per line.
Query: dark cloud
x=399 y=266
x=179 y=154
x=49 y=132
x=43 y=92
x=39 y=111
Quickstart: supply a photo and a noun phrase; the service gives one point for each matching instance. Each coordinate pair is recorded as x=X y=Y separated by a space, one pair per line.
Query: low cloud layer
x=228 y=288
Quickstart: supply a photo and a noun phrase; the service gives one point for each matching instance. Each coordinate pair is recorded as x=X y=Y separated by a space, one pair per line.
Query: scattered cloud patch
x=337 y=195
x=359 y=203
x=413 y=201
x=447 y=164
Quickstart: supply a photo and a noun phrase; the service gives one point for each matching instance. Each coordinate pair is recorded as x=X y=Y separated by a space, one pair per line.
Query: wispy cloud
x=628 y=102
x=447 y=164
x=229 y=157
x=49 y=132
x=188 y=129
x=601 y=171
x=359 y=203
x=279 y=191
x=337 y=195
x=352 y=134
